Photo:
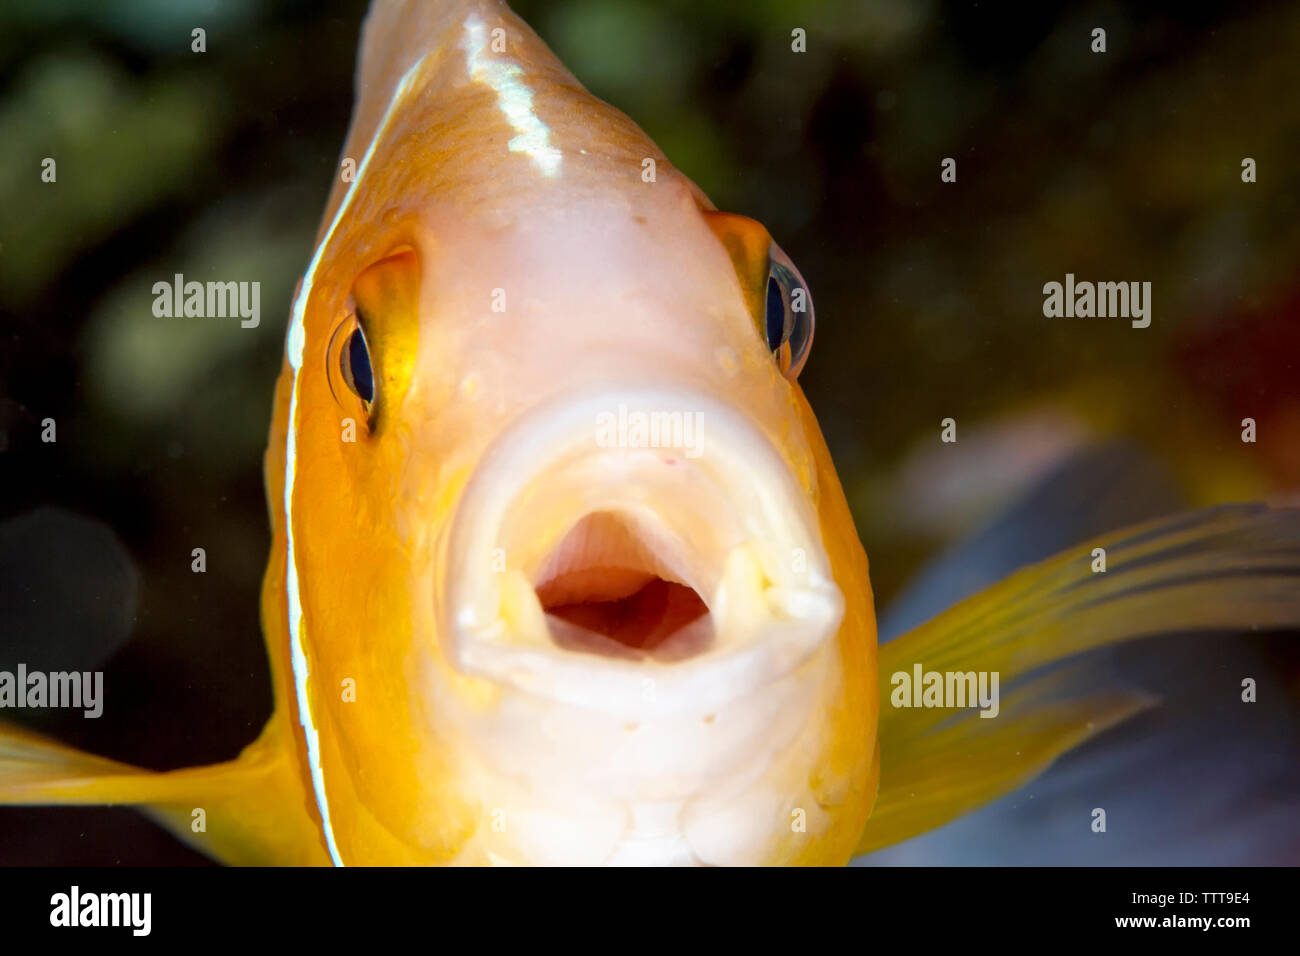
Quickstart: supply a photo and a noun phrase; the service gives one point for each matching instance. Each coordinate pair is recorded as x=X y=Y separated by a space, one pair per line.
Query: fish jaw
x=595 y=749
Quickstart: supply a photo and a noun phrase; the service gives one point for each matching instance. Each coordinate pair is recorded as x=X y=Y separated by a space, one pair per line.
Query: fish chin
x=656 y=628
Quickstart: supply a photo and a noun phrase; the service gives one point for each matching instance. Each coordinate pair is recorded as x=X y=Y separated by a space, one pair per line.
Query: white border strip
x=294 y=347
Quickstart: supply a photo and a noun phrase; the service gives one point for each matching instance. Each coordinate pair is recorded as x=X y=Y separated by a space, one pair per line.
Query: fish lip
x=800 y=611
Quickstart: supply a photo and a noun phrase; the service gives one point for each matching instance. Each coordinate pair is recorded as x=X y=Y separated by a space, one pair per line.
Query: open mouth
x=607 y=589
x=635 y=581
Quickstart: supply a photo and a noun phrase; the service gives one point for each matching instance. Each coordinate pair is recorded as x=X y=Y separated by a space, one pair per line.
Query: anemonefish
x=562 y=570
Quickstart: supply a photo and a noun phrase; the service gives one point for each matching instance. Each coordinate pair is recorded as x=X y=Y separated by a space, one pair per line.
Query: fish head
x=570 y=576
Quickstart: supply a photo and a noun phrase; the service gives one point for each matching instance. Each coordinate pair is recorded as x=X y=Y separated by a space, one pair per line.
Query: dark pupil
x=363 y=380
x=775 y=314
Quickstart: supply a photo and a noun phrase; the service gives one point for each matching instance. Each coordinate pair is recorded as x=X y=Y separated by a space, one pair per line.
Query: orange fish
x=562 y=571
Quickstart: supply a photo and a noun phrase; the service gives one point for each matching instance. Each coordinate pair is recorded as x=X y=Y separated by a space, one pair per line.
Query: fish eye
x=357 y=371
x=348 y=364
x=789 y=314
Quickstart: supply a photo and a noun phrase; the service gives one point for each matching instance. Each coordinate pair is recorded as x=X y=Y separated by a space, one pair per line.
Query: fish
x=562 y=571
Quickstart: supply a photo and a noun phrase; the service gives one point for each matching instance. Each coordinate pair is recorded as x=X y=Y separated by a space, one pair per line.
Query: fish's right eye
x=349 y=365
x=358 y=373
x=370 y=359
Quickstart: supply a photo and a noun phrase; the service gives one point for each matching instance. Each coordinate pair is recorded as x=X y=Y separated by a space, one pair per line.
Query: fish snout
x=646 y=554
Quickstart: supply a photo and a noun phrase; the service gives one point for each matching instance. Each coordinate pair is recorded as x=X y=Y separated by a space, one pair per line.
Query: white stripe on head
x=514 y=97
x=294 y=346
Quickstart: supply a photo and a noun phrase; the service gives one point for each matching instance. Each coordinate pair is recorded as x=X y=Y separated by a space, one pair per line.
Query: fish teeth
x=797 y=603
x=521 y=611
x=739 y=601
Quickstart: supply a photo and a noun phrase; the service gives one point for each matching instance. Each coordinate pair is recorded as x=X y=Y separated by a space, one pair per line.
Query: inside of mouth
x=612 y=588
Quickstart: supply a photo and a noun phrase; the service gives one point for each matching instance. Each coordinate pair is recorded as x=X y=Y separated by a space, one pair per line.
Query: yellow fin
x=1231 y=568
x=254 y=808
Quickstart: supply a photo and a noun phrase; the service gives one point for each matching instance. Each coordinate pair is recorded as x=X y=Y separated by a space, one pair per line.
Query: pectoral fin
x=249 y=811
x=1231 y=568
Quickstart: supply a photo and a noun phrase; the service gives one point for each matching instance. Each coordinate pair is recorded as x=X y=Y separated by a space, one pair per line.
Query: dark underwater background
x=1117 y=166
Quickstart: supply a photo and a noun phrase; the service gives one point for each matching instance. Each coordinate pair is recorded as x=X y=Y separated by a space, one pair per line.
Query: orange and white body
x=562 y=571
x=528 y=296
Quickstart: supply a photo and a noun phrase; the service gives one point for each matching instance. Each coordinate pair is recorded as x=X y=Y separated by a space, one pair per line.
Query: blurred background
x=1117 y=166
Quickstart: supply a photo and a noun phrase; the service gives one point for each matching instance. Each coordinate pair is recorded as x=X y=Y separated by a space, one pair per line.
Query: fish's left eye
x=789 y=314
